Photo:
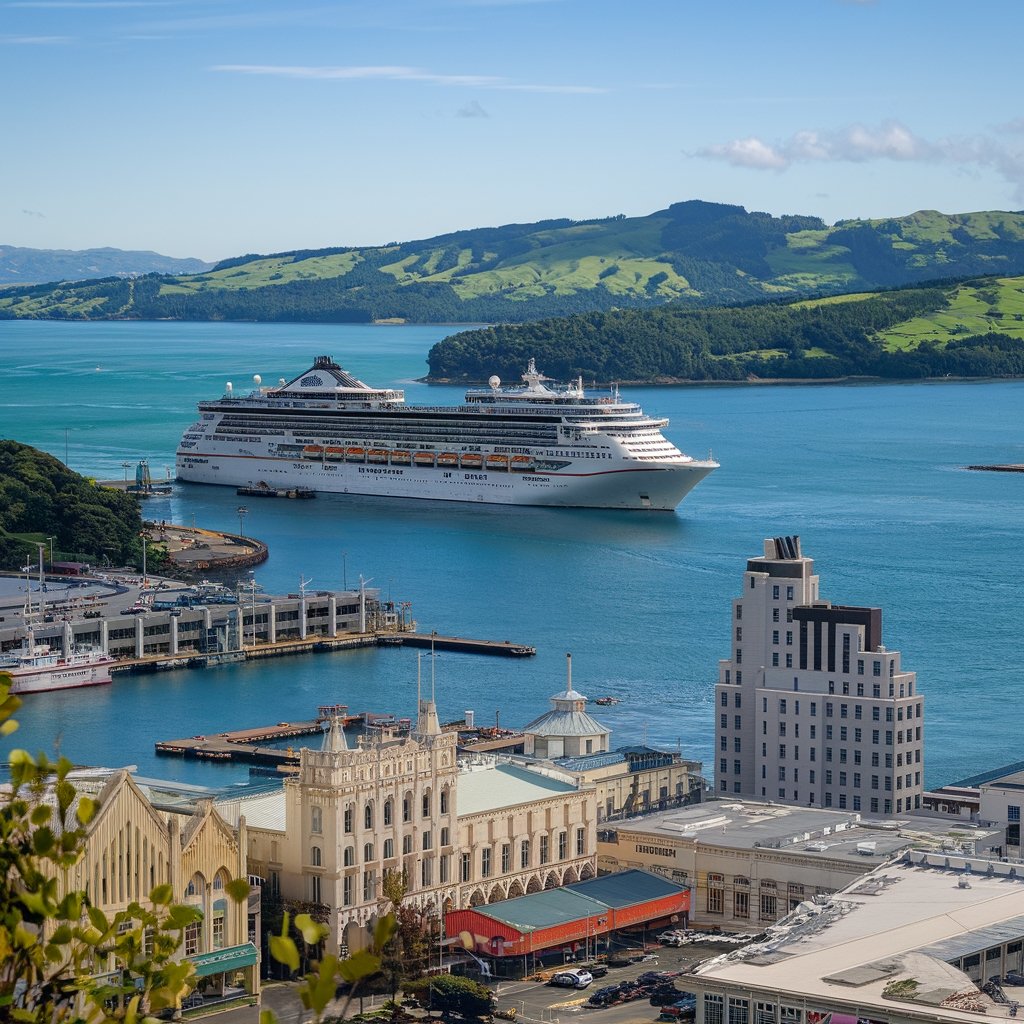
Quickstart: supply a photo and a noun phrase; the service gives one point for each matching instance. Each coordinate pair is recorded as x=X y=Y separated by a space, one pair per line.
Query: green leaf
x=238 y=889
x=11 y=725
x=86 y=809
x=41 y=814
x=268 y=1017
x=359 y=965
x=386 y=928
x=312 y=932
x=162 y=895
x=283 y=950
x=42 y=841
x=97 y=919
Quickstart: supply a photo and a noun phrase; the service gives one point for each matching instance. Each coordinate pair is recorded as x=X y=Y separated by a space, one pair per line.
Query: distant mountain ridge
x=39 y=266
x=694 y=253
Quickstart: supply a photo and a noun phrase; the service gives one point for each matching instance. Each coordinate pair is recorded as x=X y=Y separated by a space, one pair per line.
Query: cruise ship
x=536 y=443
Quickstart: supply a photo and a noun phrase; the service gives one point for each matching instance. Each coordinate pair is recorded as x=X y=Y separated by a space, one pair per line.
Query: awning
x=219 y=961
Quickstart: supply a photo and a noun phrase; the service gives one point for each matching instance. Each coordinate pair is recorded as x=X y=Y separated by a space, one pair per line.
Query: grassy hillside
x=699 y=254
x=965 y=329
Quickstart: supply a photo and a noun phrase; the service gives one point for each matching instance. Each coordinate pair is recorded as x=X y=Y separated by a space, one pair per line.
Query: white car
x=574 y=978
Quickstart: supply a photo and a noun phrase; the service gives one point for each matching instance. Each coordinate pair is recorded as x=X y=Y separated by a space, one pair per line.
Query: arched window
x=368 y=853
x=389 y=811
x=426 y=804
x=314 y=856
x=407 y=808
x=716 y=894
x=389 y=849
x=348 y=819
x=350 y=856
x=368 y=816
x=444 y=800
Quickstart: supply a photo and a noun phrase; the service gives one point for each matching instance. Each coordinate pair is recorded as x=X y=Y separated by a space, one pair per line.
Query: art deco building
x=811 y=708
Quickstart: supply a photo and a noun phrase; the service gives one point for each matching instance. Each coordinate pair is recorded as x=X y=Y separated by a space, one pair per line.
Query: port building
x=928 y=937
x=810 y=707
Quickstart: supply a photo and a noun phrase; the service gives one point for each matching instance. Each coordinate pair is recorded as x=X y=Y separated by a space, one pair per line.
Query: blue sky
x=222 y=127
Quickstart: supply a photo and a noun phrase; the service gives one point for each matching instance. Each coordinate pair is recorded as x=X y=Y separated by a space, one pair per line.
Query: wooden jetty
x=459 y=643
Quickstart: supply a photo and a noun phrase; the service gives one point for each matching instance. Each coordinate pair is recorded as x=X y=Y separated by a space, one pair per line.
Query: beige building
x=465 y=832
x=917 y=940
x=810 y=707
x=749 y=864
x=137 y=841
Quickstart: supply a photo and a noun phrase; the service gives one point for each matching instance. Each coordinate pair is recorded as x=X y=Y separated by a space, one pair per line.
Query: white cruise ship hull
x=60 y=678
x=660 y=487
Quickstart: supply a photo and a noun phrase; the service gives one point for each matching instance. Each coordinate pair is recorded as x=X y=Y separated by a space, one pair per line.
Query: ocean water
x=870 y=476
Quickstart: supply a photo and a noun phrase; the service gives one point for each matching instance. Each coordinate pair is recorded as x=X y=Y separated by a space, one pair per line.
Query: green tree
x=452 y=994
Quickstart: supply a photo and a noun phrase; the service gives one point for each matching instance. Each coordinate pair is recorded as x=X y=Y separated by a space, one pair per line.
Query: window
x=775 y=593
x=406 y=808
x=426 y=805
x=485 y=862
x=314 y=856
x=789 y=593
x=775 y=636
x=389 y=849
x=543 y=849
x=716 y=893
x=775 y=659
x=368 y=853
x=737 y=721
x=736 y=744
x=426 y=872
x=506 y=858
x=446 y=836
x=443 y=869
x=739 y=656
x=789 y=661
x=368 y=816
x=464 y=868
x=389 y=812
x=316 y=819
x=349 y=857
x=1013 y=812
x=406 y=844
x=524 y=853
x=739 y=611
x=737 y=700
x=369 y=886
x=444 y=800
x=314 y=888
x=739 y=633
x=789 y=638
x=796 y=895
x=739 y=1011
x=725 y=699
x=428 y=839
x=563 y=845
x=769 y=901
x=741 y=898
x=876 y=668
x=581 y=841
x=714 y=1005
x=192 y=938
x=348 y=820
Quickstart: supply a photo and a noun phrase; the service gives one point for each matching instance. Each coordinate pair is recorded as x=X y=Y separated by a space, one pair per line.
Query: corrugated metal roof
x=584 y=899
x=566 y=723
x=263 y=811
x=976 y=941
x=626 y=888
x=504 y=785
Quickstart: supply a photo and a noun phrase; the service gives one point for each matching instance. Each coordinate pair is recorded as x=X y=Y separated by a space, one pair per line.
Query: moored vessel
x=537 y=443
x=37 y=668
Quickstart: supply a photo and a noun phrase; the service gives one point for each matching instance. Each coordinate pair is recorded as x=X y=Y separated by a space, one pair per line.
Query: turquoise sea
x=870 y=476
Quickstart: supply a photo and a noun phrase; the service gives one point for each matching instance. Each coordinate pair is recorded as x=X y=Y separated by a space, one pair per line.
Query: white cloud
x=34 y=40
x=396 y=73
x=747 y=153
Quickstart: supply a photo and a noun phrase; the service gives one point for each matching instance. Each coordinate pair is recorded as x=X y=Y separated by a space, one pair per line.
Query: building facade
x=810 y=707
x=464 y=832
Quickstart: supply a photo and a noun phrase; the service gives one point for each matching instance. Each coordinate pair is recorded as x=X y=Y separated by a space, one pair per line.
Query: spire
x=334 y=737
x=427 y=723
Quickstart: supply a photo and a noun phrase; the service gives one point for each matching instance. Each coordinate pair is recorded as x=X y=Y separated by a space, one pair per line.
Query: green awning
x=231 y=958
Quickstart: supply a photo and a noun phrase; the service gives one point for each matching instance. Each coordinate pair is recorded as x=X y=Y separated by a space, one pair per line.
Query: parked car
x=665 y=995
x=574 y=978
x=604 y=996
x=598 y=970
x=682 y=1009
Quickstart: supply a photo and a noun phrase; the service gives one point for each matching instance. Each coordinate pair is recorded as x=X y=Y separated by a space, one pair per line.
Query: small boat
x=497 y=462
x=399 y=458
x=377 y=455
x=522 y=463
x=337 y=454
x=313 y=451
x=607 y=701
x=447 y=459
x=424 y=458
x=472 y=461
x=355 y=454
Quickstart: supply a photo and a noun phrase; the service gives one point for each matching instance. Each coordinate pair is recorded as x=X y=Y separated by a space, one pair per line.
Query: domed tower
x=566 y=730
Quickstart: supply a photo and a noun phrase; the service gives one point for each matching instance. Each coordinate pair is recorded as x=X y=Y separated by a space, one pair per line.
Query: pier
x=459 y=643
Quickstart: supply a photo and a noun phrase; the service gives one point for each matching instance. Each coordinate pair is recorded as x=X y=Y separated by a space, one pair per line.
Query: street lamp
x=51 y=540
x=126 y=466
x=145 y=537
x=252 y=584
x=242 y=513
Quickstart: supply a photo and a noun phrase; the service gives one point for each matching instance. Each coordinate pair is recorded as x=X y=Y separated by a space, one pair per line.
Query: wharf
x=245 y=744
x=459 y=643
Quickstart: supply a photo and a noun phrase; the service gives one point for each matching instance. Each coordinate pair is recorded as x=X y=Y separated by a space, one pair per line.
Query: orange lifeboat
x=497 y=462
x=377 y=455
x=399 y=458
x=424 y=458
x=334 y=453
x=472 y=461
x=522 y=463
x=355 y=454
x=447 y=459
x=313 y=451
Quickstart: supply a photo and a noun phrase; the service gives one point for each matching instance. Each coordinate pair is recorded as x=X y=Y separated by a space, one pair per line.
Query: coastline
x=757 y=382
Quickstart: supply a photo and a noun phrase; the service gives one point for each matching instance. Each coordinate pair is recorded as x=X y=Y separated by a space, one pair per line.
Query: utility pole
x=242 y=513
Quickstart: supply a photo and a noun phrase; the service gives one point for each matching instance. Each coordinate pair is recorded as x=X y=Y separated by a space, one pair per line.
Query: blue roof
x=583 y=899
x=990 y=776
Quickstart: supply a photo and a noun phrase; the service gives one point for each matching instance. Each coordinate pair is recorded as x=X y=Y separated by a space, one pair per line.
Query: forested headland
x=968 y=329
x=41 y=498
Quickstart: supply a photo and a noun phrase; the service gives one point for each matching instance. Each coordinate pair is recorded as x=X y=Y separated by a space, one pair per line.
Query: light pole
x=344 y=570
x=51 y=540
x=145 y=538
x=252 y=584
x=126 y=466
x=242 y=513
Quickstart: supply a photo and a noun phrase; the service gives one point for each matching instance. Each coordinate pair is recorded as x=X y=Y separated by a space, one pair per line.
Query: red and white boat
x=36 y=668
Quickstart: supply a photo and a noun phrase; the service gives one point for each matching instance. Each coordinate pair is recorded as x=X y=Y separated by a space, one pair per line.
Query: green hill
x=694 y=253
x=41 y=498
x=971 y=328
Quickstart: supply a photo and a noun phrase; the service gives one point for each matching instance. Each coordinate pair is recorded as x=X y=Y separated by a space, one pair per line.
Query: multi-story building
x=464 y=831
x=810 y=708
